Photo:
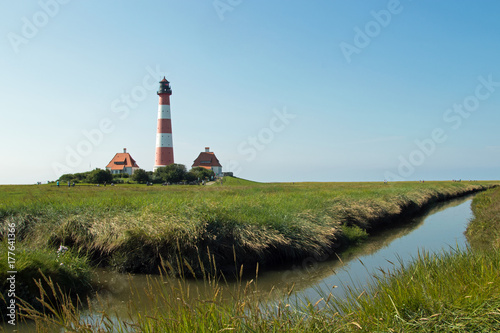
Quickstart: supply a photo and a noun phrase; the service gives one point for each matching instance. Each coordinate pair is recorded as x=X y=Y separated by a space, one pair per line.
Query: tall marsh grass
x=447 y=292
x=454 y=291
x=133 y=228
x=484 y=230
x=70 y=271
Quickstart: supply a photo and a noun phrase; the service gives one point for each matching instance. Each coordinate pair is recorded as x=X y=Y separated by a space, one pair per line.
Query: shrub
x=99 y=176
x=173 y=173
x=141 y=176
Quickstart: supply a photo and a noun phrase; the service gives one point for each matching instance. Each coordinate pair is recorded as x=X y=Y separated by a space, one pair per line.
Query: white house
x=209 y=161
x=122 y=163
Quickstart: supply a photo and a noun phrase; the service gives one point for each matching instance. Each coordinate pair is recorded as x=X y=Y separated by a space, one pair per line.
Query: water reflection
x=440 y=228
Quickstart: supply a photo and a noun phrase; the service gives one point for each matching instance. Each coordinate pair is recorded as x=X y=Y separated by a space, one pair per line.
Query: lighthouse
x=164 y=147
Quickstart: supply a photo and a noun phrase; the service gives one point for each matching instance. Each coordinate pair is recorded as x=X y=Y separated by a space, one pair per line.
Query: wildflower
x=62 y=250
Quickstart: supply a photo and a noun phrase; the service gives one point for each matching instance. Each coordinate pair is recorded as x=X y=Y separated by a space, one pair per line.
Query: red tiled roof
x=121 y=161
x=206 y=160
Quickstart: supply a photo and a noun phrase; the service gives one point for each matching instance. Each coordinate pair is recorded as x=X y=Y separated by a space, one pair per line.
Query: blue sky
x=280 y=91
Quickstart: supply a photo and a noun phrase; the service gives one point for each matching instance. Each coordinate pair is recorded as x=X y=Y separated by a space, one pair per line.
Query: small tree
x=67 y=177
x=202 y=173
x=82 y=176
x=140 y=176
x=74 y=178
x=173 y=173
x=99 y=176
x=190 y=177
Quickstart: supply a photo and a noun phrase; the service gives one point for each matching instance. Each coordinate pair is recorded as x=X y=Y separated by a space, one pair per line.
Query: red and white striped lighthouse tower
x=164 y=147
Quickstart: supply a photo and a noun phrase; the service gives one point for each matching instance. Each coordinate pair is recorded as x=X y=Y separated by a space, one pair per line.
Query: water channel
x=441 y=228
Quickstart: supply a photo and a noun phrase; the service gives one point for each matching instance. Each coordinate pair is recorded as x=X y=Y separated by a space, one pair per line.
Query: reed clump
x=70 y=271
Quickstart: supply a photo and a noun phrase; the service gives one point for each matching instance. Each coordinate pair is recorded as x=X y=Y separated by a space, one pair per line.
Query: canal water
x=441 y=228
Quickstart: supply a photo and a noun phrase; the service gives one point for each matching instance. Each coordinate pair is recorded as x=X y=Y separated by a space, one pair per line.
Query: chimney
x=124 y=150
x=207 y=149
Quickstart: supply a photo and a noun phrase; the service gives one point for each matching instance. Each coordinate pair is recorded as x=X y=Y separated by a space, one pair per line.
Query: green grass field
x=455 y=291
x=133 y=227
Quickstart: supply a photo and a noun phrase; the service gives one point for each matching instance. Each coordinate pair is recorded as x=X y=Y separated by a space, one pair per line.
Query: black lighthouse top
x=164 y=87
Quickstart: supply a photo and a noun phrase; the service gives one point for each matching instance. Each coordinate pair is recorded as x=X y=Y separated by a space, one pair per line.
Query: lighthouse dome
x=164 y=87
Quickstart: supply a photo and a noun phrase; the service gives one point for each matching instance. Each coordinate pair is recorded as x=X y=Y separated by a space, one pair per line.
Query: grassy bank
x=484 y=230
x=132 y=228
x=443 y=293
x=23 y=270
x=448 y=292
